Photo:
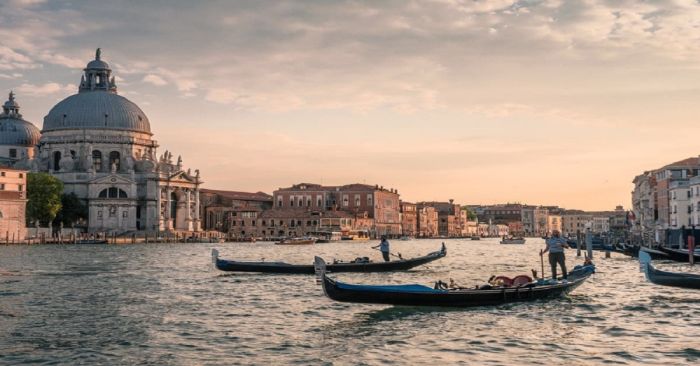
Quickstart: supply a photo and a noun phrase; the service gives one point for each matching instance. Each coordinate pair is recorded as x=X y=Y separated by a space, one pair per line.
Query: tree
x=471 y=215
x=72 y=210
x=43 y=197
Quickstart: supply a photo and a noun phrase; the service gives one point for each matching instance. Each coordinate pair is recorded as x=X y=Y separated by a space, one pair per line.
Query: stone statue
x=189 y=171
x=114 y=167
x=179 y=162
x=196 y=173
x=129 y=163
x=67 y=162
x=98 y=53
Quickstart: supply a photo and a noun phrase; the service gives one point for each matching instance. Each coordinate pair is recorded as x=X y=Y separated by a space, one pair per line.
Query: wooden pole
x=579 y=243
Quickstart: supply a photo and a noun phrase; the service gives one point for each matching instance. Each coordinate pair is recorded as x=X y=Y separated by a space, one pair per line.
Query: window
x=112 y=192
x=2 y=188
x=56 y=160
x=21 y=175
x=345 y=200
x=99 y=214
x=13 y=153
x=291 y=201
x=357 y=200
x=20 y=187
x=2 y=174
x=97 y=160
x=114 y=160
x=369 y=200
x=125 y=214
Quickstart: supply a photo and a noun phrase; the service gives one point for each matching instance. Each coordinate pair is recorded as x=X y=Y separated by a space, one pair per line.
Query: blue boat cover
x=414 y=288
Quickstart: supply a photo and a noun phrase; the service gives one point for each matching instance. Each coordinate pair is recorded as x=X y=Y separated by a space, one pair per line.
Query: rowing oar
x=397 y=256
x=542 y=264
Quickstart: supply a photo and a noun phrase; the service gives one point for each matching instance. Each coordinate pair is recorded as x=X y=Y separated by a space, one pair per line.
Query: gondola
x=420 y=295
x=679 y=255
x=512 y=240
x=359 y=265
x=653 y=253
x=675 y=279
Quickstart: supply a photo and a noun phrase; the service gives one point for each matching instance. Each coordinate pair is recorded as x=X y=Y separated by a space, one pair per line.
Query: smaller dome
x=14 y=130
x=97 y=65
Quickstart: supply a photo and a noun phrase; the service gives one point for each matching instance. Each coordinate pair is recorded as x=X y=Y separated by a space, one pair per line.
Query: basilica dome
x=97 y=105
x=14 y=130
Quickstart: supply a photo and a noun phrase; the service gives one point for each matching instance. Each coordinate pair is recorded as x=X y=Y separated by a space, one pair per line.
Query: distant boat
x=357 y=265
x=475 y=237
x=663 y=278
x=297 y=241
x=680 y=255
x=405 y=238
x=517 y=240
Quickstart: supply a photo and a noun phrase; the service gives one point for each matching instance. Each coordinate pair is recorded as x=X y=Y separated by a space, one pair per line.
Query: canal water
x=164 y=304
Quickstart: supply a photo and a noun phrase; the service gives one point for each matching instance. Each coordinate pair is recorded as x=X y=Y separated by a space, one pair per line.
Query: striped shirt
x=556 y=245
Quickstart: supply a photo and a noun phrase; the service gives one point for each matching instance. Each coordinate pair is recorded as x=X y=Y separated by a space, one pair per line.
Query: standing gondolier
x=384 y=248
x=555 y=247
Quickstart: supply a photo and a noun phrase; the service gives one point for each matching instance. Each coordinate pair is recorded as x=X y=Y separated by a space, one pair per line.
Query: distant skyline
x=539 y=102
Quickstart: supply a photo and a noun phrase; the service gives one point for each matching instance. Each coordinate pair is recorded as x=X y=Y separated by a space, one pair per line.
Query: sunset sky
x=540 y=102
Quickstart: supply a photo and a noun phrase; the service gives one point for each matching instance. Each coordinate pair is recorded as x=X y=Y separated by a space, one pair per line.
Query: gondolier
x=384 y=248
x=555 y=247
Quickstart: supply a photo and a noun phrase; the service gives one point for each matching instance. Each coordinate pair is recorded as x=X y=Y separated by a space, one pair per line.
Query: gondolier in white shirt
x=384 y=248
x=555 y=247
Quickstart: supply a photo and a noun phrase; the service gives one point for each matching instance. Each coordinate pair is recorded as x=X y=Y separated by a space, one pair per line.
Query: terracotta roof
x=257 y=196
x=694 y=161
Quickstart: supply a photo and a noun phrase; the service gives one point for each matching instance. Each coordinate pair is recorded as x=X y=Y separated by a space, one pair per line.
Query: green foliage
x=72 y=210
x=44 y=197
x=471 y=215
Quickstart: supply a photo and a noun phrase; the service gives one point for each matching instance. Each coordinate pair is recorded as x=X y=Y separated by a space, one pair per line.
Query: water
x=164 y=304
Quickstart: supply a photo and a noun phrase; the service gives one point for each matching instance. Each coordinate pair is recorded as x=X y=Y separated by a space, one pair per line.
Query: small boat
x=512 y=240
x=357 y=265
x=297 y=241
x=680 y=255
x=420 y=295
x=405 y=238
x=653 y=253
x=475 y=237
x=91 y=241
x=675 y=279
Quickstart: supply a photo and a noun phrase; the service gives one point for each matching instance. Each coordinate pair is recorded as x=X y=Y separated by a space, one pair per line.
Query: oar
x=397 y=256
x=542 y=264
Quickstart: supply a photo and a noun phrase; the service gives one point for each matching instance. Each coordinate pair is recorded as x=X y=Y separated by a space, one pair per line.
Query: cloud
x=155 y=80
x=45 y=89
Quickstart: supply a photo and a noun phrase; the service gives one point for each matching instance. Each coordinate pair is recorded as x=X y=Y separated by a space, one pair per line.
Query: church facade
x=100 y=145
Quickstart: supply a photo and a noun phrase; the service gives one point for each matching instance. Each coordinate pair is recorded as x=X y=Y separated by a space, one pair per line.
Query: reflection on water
x=165 y=304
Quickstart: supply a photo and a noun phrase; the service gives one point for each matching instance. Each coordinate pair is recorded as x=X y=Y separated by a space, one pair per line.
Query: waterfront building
x=13 y=202
x=694 y=200
x=373 y=208
x=427 y=219
x=101 y=146
x=222 y=210
x=18 y=137
x=600 y=224
x=553 y=223
x=644 y=207
x=449 y=217
x=409 y=217
x=534 y=220
x=679 y=204
x=680 y=170
x=573 y=223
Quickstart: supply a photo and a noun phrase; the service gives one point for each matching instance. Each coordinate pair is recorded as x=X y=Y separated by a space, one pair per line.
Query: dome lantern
x=97 y=76
x=11 y=108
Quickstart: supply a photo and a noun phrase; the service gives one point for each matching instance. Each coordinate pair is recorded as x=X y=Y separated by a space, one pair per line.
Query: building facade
x=13 y=203
x=409 y=219
x=100 y=145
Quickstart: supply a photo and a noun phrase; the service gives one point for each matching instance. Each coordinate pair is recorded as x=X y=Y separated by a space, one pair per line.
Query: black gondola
x=679 y=255
x=419 y=295
x=354 y=266
x=653 y=253
x=675 y=279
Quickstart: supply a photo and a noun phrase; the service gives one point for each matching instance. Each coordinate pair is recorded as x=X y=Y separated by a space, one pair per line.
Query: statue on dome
x=98 y=53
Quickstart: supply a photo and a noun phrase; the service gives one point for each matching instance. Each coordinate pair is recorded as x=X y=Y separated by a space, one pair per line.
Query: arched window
x=97 y=160
x=57 y=160
x=114 y=159
x=112 y=192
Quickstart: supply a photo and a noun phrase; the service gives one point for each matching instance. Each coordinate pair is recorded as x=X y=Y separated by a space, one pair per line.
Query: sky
x=539 y=102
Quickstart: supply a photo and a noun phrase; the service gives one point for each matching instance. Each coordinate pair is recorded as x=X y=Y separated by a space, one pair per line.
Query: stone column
x=158 y=219
x=197 y=220
x=188 y=207
x=168 y=207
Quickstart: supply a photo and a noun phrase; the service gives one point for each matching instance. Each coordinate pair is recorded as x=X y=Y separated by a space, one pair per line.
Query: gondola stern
x=320 y=270
x=644 y=263
x=214 y=257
